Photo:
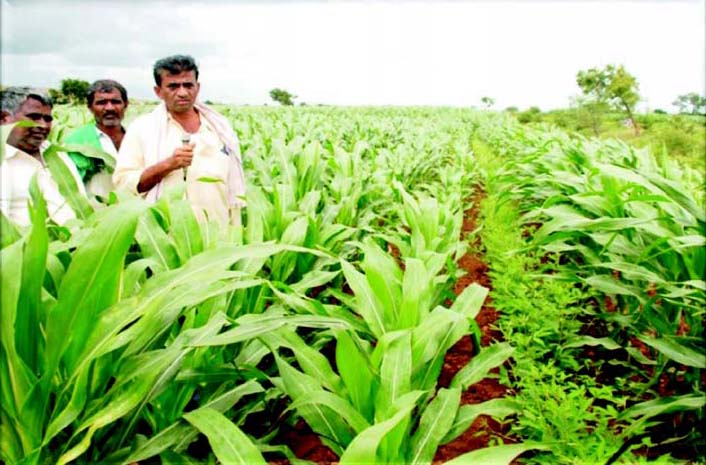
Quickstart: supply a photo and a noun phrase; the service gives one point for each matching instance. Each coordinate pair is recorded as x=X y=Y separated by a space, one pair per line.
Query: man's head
x=176 y=78
x=26 y=104
x=107 y=100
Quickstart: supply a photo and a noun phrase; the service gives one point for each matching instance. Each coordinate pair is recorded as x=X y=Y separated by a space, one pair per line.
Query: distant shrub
x=682 y=138
x=531 y=115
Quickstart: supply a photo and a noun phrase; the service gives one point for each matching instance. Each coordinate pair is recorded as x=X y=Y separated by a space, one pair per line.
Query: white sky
x=520 y=53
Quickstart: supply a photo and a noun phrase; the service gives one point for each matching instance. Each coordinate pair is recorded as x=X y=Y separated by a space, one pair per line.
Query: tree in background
x=57 y=96
x=282 y=97
x=613 y=86
x=531 y=115
x=487 y=101
x=691 y=103
x=75 y=89
x=589 y=113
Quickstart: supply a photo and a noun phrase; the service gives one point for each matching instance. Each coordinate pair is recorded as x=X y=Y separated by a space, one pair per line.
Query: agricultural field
x=410 y=285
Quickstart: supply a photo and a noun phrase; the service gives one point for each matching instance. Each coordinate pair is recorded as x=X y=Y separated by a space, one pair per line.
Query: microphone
x=185 y=139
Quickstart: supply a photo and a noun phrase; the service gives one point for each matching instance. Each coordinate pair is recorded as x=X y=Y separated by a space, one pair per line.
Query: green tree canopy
x=691 y=103
x=487 y=101
x=75 y=89
x=282 y=97
x=612 y=85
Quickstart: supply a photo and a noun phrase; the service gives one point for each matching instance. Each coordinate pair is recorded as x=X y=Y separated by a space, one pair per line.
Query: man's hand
x=182 y=156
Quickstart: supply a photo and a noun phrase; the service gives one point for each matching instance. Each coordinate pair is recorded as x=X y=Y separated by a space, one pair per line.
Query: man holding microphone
x=183 y=141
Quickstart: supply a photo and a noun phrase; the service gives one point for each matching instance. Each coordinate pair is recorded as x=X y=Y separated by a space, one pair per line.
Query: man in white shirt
x=23 y=156
x=107 y=100
x=183 y=142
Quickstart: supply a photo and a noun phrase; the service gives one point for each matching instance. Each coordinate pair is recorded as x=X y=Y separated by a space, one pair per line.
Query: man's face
x=29 y=139
x=108 y=108
x=179 y=91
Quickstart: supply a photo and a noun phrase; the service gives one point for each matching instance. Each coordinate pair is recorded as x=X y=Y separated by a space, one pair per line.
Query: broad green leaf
x=367 y=304
x=364 y=447
x=496 y=408
x=76 y=451
x=675 y=351
x=91 y=284
x=177 y=353
x=295 y=234
x=430 y=342
x=679 y=195
x=17 y=379
x=10 y=442
x=314 y=278
x=71 y=411
x=498 y=455
x=30 y=312
x=395 y=381
x=353 y=362
x=664 y=405
x=479 y=367
x=209 y=180
x=470 y=301
x=179 y=432
x=609 y=285
x=633 y=272
x=384 y=279
x=153 y=324
x=134 y=273
x=312 y=362
x=335 y=403
x=416 y=295
x=155 y=243
x=246 y=331
x=229 y=443
x=395 y=370
x=158 y=296
x=334 y=431
x=435 y=423
x=8 y=231
x=185 y=230
x=580 y=341
x=67 y=183
x=91 y=152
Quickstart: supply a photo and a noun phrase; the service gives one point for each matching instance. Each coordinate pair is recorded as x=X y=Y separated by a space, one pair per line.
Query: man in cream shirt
x=183 y=141
x=23 y=157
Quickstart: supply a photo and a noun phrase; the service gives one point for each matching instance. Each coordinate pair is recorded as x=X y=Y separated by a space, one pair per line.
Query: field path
x=484 y=428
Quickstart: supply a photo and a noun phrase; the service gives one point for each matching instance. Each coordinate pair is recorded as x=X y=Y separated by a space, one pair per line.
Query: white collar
x=11 y=151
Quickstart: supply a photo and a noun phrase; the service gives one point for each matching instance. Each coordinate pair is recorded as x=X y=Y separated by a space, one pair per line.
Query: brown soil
x=483 y=429
x=306 y=445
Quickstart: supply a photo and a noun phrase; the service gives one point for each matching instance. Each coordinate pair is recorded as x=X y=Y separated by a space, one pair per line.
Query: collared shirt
x=205 y=179
x=16 y=171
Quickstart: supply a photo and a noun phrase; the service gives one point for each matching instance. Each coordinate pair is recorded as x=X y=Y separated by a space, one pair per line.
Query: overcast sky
x=520 y=53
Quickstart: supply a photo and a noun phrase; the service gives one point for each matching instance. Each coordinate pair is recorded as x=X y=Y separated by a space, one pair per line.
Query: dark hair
x=12 y=98
x=105 y=85
x=174 y=64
